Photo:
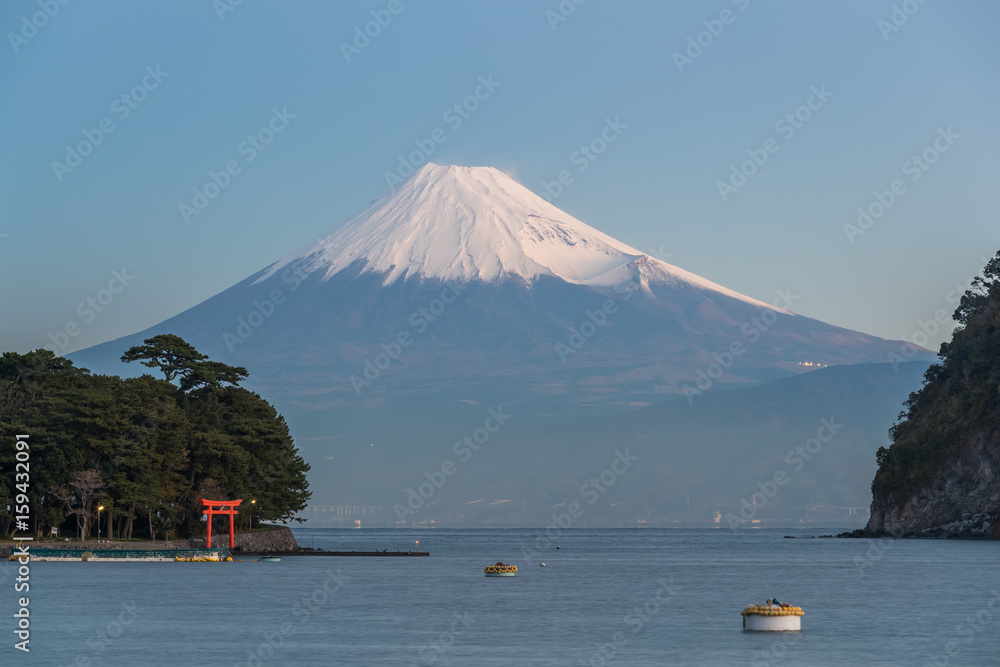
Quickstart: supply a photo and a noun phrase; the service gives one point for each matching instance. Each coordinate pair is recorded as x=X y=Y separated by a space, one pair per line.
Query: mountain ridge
x=477 y=223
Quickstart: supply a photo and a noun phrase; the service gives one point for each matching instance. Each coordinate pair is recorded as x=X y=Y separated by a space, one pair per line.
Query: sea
x=639 y=597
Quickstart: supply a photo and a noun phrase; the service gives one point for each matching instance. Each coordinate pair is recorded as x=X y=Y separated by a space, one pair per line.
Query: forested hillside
x=940 y=473
x=145 y=449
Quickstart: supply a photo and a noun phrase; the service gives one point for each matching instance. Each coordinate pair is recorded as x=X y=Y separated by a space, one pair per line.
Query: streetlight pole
x=252 y=503
x=99 y=508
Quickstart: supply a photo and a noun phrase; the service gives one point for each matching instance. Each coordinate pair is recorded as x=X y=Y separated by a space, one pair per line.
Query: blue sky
x=198 y=81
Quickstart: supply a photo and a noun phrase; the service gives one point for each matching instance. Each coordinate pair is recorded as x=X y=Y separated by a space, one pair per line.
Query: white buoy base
x=758 y=623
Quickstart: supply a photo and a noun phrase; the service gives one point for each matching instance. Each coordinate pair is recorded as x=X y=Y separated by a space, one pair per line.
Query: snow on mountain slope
x=478 y=224
x=571 y=250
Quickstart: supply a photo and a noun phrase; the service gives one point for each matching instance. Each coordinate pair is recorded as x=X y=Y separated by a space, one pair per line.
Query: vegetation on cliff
x=960 y=396
x=145 y=449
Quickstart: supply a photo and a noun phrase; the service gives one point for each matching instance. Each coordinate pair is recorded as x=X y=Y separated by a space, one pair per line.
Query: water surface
x=623 y=597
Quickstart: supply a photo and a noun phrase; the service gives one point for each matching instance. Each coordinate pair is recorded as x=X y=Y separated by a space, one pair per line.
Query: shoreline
x=276 y=538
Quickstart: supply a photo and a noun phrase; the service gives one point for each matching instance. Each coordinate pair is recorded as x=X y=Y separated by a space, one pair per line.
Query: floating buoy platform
x=772 y=616
x=500 y=570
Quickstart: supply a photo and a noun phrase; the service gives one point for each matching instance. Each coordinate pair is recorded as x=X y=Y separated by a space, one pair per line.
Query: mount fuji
x=476 y=224
x=463 y=290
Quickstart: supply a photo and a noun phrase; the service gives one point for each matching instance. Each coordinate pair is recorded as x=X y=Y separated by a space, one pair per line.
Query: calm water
x=649 y=597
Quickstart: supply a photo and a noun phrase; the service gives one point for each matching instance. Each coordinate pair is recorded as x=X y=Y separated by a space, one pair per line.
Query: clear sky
x=182 y=85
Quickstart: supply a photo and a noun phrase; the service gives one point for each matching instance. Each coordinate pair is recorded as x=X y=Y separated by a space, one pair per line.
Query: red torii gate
x=225 y=507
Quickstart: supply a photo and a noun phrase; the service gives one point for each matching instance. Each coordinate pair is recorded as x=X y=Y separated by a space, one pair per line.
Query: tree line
x=959 y=399
x=144 y=449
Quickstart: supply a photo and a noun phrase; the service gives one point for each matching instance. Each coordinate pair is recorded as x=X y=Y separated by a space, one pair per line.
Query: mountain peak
x=467 y=224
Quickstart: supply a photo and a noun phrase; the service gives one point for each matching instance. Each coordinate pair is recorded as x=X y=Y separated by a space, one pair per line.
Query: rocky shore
x=961 y=501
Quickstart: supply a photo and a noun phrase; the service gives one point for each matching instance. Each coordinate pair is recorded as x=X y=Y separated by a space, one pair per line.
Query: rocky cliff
x=961 y=500
x=939 y=477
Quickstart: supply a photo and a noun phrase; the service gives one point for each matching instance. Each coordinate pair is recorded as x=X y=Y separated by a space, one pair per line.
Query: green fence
x=220 y=553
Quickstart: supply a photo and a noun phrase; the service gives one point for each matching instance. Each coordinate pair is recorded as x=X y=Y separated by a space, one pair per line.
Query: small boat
x=772 y=616
x=501 y=569
x=270 y=559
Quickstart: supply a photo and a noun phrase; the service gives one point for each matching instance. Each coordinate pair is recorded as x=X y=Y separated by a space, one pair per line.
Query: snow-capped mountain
x=464 y=292
x=468 y=224
x=530 y=287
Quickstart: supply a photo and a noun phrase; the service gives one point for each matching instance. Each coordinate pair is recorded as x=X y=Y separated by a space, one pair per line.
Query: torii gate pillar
x=224 y=507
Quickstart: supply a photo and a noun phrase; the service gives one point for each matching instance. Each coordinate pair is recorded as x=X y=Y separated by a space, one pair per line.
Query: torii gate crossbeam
x=224 y=507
